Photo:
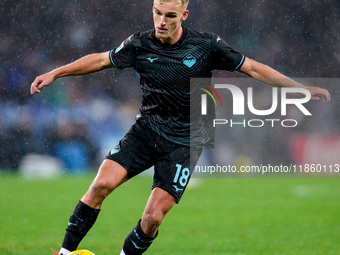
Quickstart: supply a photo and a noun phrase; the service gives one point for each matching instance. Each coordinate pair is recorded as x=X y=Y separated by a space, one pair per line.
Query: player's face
x=168 y=17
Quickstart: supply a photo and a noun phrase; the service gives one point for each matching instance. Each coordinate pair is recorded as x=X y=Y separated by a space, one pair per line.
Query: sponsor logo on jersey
x=177 y=189
x=189 y=60
x=151 y=59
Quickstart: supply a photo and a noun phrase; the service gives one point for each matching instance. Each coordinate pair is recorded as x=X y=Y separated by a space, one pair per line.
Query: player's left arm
x=271 y=77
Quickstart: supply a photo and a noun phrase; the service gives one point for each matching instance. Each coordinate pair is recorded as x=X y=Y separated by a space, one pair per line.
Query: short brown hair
x=183 y=2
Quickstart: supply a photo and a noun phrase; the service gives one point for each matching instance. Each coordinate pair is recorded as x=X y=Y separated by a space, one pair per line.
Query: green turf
x=219 y=216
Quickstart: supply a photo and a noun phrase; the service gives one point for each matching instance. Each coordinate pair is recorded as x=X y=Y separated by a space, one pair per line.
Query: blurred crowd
x=78 y=119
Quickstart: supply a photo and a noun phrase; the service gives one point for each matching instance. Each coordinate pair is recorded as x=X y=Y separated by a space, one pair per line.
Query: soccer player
x=166 y=57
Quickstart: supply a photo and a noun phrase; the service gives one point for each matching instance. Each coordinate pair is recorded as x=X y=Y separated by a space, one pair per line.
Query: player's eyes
x=171 y=16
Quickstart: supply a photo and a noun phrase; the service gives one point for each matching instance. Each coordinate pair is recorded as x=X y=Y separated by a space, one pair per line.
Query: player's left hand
x=318 y=93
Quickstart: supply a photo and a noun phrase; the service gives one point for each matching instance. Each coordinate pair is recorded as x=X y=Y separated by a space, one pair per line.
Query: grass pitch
x=215 y=216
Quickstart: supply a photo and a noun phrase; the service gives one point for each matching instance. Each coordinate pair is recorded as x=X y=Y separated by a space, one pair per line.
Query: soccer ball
x=82 y=252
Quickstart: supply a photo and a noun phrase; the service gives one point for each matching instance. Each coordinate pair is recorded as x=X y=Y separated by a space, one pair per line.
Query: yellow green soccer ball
x=82 y=252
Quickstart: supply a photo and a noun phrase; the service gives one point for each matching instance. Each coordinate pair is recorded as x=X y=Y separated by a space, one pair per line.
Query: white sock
x=64 y=251
x=122 y=253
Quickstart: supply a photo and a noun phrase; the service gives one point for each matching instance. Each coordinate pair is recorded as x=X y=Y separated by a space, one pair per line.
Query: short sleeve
x=225 y=57
x=124 y=55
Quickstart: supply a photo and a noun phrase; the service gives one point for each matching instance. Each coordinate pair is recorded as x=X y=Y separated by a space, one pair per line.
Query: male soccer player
x=166 y=57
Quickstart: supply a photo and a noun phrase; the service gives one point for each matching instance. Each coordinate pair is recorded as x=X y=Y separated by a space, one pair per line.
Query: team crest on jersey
x=189 y=60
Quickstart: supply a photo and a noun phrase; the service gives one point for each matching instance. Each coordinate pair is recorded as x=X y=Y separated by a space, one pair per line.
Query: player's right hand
x=41 y=81
x=318 y=93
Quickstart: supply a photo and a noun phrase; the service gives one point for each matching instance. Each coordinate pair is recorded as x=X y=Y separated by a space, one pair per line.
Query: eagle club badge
x=189 y=60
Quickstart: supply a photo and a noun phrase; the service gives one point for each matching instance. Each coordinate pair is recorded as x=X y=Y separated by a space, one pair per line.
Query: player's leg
x=172 y=174
x=109 y=177
x=141 y=237
x=159 y=204
x=130 y=157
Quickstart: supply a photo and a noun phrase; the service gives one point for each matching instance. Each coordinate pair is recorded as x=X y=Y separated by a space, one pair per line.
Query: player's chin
x=162 y=35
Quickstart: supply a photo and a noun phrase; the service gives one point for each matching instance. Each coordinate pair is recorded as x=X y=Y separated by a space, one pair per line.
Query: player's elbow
x=258 y=70
x=251 y=68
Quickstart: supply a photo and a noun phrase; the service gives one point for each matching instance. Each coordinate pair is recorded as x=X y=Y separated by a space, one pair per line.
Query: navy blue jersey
x=165 y=71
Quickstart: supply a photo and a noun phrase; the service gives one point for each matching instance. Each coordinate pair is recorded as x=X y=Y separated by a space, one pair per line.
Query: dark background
x=81 y=118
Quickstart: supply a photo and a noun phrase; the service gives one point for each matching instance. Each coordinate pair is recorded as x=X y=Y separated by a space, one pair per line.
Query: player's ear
x=185 y=15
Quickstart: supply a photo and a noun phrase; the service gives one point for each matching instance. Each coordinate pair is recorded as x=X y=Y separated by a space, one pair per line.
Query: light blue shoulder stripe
x=112 y=59
x=239 y=65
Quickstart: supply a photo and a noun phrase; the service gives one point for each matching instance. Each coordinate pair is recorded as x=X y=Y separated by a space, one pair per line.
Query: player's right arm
x=88 y=64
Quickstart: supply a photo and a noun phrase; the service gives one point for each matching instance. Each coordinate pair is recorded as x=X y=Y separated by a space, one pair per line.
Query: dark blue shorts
x=142 y=148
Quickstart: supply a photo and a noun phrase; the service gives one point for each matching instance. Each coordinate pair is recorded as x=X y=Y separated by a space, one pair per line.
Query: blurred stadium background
x=77 y=120
x=81 y=118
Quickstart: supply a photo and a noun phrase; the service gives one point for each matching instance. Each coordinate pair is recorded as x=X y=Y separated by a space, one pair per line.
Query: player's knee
x=103 y=186
x=154 y=219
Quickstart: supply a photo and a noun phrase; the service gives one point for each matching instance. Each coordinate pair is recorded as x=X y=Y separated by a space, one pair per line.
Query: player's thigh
x=173 y=170
x=136 y=151
x=110 y=175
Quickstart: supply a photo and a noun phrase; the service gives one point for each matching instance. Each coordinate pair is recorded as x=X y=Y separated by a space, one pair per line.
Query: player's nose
x=163 y=20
